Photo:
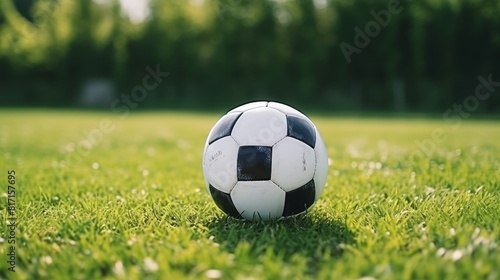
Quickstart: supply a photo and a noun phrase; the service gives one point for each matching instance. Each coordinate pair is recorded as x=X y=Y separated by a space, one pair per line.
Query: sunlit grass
x=134 y=206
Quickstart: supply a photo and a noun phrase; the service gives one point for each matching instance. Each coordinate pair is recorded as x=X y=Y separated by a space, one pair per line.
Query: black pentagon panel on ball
x=302 y=130
x=224 y=202
x=224 y=127
x=254 y=163
x=300 y=199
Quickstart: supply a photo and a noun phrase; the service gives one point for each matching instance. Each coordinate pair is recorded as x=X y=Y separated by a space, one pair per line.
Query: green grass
x=135 y=207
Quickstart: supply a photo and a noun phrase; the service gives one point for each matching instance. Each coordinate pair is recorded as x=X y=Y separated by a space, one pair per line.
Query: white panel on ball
x=294 y=163
x=258 y=200
x=286 y=109
x=249 y=106
x=219 y=164
x=260 y=127
x=321 y=165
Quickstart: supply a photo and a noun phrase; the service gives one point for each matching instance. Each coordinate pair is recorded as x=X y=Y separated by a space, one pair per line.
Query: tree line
x=332 y=55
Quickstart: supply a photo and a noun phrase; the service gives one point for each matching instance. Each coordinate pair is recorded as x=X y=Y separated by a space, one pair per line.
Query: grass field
x=134 y=205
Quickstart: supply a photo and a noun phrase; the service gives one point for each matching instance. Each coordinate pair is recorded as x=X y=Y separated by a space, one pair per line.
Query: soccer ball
x=263 y=161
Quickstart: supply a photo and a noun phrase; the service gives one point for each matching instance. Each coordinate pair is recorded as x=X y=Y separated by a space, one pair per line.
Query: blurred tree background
x=224 y=52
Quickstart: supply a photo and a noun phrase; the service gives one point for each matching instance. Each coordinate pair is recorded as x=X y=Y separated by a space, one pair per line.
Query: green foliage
x=134 y=206
x=230 y=51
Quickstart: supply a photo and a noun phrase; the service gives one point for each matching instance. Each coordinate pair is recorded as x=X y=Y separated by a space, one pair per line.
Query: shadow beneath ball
x=312 y=237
